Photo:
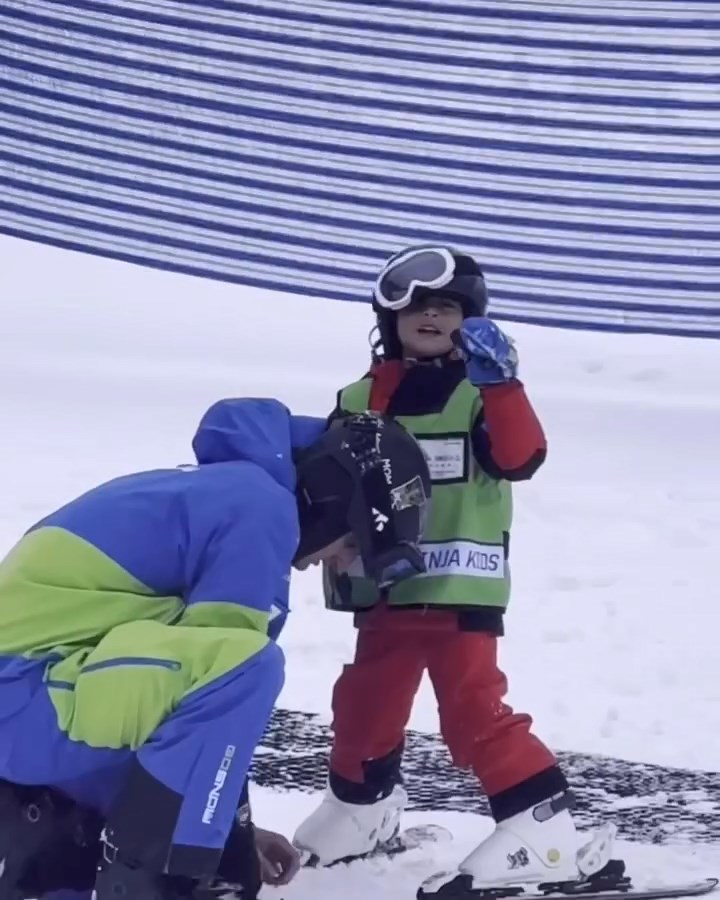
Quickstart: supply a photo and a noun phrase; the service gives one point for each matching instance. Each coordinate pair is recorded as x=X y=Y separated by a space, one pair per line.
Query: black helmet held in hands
x=367 y=476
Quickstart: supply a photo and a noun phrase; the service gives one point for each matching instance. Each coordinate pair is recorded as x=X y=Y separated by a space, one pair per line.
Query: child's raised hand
x=489 y=353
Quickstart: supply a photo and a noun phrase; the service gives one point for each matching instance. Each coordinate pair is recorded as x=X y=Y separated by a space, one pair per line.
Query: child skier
x=479 y=434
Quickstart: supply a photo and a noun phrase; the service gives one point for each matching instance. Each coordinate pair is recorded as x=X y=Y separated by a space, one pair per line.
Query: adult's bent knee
x=234 y=652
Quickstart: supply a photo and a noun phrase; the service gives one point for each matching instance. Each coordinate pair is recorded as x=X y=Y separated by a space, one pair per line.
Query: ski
x=412 y=838
x=662 y=892
x=460 y=889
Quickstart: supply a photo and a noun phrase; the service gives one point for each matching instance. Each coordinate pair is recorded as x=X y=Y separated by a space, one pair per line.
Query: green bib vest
x=467 y=534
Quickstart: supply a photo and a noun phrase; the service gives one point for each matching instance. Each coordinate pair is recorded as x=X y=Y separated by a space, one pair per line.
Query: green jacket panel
x=467 y=535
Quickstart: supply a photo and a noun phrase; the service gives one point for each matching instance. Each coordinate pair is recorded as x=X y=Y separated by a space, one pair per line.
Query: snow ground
x=106 y=367
x=399 y=879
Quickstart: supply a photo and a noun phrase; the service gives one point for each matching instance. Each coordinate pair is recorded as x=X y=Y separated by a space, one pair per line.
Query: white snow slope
x=612 y=636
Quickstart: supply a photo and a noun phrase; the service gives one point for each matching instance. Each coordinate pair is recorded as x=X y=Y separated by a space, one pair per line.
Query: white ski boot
x=533 y=847
x=338 y=831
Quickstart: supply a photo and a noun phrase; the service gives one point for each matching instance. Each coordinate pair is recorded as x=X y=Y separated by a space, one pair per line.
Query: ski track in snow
x=611 y=639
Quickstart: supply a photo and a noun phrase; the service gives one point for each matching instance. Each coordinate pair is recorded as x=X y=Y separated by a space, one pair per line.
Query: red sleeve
x=386 y=377
x=509 y=441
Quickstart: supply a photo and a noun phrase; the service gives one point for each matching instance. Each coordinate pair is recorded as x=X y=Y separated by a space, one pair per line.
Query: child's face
x=424 y=327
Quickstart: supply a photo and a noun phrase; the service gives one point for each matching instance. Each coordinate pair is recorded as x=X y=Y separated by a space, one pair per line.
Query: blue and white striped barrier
x=293 y=144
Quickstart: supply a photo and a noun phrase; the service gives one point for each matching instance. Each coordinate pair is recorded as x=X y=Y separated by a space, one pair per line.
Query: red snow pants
x=373 y=698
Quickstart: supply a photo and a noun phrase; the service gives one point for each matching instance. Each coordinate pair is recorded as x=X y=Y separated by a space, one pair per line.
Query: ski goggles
x=393 y=566
x=429 y=268
x=389 y=567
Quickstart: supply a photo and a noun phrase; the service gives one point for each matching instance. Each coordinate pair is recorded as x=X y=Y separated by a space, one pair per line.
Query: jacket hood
x=261 y=431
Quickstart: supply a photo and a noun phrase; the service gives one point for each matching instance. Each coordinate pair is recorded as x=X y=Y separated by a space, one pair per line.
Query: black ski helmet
x=367 y=476
x=467 y=287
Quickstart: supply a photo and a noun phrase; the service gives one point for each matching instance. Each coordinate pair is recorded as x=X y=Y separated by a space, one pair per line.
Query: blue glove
x=490 y=355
